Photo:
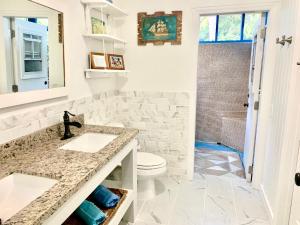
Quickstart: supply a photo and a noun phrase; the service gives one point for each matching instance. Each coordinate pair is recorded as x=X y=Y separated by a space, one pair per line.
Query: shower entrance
x=230 y=62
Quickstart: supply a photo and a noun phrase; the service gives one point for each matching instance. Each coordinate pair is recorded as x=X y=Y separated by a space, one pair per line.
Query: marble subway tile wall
x=222 y=86
x=162 y=118
x=99 y=109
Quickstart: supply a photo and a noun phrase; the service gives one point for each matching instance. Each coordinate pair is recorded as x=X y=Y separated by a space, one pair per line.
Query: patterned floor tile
x=218 y=163
x=216 y=168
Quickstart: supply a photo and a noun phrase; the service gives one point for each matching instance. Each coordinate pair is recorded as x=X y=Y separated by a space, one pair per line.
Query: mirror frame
x=21 y=98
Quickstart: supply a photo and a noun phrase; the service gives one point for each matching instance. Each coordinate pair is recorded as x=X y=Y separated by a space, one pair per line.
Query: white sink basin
x=89 y=142
x=19 y=190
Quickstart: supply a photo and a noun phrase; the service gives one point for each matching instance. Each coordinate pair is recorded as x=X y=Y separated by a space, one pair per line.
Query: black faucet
x=67 y=124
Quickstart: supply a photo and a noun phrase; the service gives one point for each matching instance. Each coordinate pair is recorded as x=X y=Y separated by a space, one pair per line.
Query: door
x=295 y=209
x=31 y=54
x=254 y=92
x=295 y=204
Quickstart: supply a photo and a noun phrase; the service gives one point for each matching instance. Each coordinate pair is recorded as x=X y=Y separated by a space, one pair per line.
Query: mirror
x=32 y=48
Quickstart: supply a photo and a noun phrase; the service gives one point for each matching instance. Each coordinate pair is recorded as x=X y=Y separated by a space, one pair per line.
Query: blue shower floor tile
x=216 y=147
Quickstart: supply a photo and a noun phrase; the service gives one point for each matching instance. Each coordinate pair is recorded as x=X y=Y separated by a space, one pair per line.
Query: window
x=250 y=25
x=229 y=27
x=32 y=52
x=208 y=28
x=41 y=21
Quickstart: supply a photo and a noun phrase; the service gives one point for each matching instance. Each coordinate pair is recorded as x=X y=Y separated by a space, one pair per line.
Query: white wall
x=77 y=49
x=172 y=68
x=163 y=68
x=153 y=68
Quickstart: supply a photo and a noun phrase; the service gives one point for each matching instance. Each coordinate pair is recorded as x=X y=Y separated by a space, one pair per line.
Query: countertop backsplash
x=161 y=117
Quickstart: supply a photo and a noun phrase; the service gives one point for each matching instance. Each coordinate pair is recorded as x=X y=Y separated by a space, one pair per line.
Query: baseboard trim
x=267 y=204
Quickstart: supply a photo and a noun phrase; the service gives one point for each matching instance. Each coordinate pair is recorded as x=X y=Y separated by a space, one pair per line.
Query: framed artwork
x=98 y=26
x=115 y=62
x=160 y=28
x=98 y=60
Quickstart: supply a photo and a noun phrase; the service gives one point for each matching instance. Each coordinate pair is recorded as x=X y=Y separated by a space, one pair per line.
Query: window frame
x=242 y=27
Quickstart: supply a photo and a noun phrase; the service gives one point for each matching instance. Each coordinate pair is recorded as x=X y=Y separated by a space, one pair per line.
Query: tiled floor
x=218 y=163
x=207 y=200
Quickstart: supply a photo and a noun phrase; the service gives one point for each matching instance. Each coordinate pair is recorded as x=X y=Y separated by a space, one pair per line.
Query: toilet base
x=146 y=189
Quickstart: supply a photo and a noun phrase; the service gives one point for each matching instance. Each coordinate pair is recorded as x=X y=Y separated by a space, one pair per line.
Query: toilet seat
x=149 y=167
x=149 y=161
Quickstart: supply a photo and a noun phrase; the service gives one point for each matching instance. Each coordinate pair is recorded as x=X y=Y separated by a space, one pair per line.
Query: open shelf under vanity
x=125 y=210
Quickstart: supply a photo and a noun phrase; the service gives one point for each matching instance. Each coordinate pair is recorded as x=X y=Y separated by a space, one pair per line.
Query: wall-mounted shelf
x=109 y=14
x=93 y=73
x=105 y=7
x=105 y=37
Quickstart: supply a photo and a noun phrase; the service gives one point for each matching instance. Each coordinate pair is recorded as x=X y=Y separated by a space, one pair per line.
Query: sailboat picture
x=160 y=28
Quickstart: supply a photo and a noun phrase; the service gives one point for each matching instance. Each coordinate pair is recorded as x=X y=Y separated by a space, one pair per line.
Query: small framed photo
x=115 y=62
x=98 y=26
x=98 y=60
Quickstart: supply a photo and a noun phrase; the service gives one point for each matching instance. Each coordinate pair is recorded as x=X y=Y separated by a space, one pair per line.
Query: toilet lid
x=149 y=160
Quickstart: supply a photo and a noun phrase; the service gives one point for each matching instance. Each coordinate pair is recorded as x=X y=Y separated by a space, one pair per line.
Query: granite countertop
x=39 y=154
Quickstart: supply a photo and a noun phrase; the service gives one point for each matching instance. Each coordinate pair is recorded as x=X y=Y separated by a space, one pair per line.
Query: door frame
x=268 y=68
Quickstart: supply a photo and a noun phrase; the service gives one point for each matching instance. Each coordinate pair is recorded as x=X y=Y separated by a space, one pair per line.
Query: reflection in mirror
x=31 y=36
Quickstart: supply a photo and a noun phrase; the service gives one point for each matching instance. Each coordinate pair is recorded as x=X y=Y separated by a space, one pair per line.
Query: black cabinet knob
x=297 y=179
x=246 y=105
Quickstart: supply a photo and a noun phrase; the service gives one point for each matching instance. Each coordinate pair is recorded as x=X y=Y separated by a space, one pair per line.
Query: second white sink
x=19 y=190
x=89 y=142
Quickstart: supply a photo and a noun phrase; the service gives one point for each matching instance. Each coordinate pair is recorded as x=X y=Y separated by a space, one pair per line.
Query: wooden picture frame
x=115 y=62
x=98 y=60
x=160 y=28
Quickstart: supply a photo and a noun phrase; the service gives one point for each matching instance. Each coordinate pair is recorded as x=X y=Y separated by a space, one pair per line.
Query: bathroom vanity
x=59 y=175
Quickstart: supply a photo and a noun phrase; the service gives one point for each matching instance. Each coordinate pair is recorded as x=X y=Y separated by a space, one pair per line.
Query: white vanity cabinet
x=127 y=210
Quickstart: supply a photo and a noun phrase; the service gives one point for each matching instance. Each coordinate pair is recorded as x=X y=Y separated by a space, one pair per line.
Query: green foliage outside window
x=231 y=27
x=251 y=24
x=208 y=28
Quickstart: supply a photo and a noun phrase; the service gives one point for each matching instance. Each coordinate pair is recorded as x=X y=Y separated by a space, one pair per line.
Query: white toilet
x=149 y=167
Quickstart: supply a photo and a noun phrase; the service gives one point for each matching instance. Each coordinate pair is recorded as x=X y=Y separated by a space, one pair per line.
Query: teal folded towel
x=90 y=214
x=104 y=197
